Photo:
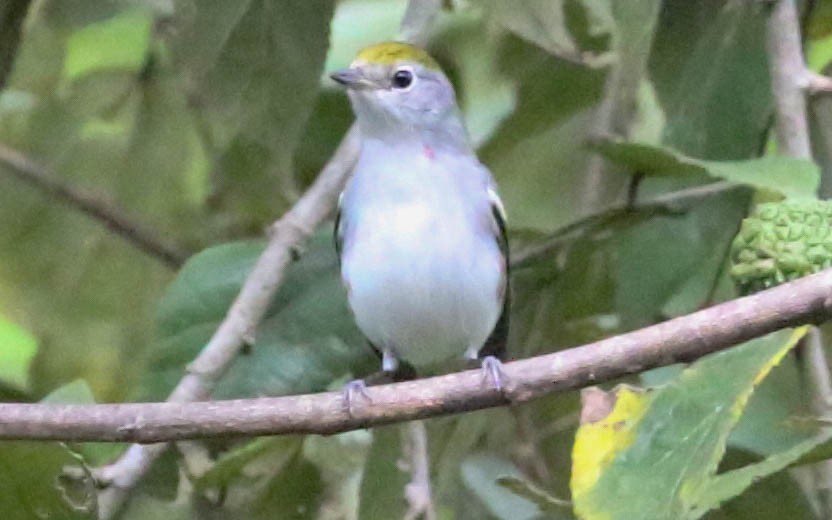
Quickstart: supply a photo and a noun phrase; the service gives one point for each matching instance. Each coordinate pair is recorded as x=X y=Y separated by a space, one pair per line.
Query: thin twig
x=668 y=204
x=817 y=83
x=619 y=101
x=677 y=340
x=95 y=206
x=418 y=490
x=526 y=447
x=418 y=20
x=287 y=236
x=821 y=393
x=787 y=67
x=594 y=191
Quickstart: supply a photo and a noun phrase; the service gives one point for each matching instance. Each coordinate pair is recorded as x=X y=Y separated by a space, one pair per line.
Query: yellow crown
x=390 y=53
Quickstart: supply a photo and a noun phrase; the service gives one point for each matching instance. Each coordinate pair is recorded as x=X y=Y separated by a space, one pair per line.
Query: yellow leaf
x=607 y=428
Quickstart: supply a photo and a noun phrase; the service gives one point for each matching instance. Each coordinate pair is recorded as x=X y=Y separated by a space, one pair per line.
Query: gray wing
x=495 y=345
x=338 y=231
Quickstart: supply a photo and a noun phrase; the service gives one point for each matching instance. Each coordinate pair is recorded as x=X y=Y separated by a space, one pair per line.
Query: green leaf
x=466 y=432
x=541 y=22
x=338 y=456
x=245 y=464
x=481 y=474
x=790 y=177
x=327 y=125
x=568 y=302
x=165 y=139
x=119 y=43
x=486 y=94
x=544 y=501
x=255 y=67
x=30 y=486
x=669 y=264
x=307 y=339
x=774 y=497
x=75 y=392
x=536 y=153
x=357 y=24
x=340 y=459
x=730 y=484
x=819 y=54
x=766 y=427
x=543 y=138
x=144 y=507
x=671 y=440
x=820 y=23
x=17 y=350
x=649 y=120
x=260 y=478
x=632 y=101
x=709 y=66
x=381 y=495
x=264 y=479
x=295 y=493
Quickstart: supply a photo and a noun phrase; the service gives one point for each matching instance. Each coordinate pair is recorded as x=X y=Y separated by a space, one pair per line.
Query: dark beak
x=350 y=78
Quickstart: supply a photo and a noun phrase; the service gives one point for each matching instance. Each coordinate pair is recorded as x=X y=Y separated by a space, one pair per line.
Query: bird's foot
x=492 y=372
x=357 y=388
x=352 y=390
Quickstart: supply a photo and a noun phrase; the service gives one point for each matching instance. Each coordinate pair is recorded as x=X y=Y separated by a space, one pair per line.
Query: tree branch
x=619 y=101
x=669 y=203
x=418 y=20
x=808 y=300
x=417 y=492
x=817 y=84
x=787 y=69
x=114 y=219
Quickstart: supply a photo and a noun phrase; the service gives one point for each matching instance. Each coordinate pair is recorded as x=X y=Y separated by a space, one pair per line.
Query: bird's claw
x=492 y=372
x=352 y=389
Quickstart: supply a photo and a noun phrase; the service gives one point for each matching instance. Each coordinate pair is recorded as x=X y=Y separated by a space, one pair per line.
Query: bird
x=420 y=229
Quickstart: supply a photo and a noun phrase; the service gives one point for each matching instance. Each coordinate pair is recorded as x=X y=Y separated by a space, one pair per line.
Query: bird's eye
x=402 y=78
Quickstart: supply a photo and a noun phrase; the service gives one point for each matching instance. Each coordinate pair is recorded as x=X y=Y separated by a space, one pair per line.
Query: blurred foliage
x=205 y=120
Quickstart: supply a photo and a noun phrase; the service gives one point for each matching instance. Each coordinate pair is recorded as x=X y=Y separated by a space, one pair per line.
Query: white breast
x=422 y=269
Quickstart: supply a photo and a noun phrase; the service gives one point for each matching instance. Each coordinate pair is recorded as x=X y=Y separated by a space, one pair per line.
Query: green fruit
x=782 y=241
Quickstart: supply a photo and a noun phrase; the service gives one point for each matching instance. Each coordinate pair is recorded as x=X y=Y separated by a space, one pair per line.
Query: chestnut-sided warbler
x=420 y=231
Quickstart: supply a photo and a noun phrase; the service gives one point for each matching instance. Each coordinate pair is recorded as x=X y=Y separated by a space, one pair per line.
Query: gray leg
x=492 y=371
x=351 y=390
x=472 y=353
x=389 y=362
x=491 y=366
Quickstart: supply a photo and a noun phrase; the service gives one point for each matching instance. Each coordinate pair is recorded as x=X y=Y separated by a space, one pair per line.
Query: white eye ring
x=403 y=78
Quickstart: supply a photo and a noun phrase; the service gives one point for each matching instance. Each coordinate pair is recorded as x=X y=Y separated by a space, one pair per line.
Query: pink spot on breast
x=429 y=153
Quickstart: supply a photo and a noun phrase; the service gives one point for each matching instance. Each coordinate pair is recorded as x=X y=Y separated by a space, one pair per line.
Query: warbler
x=420 y=231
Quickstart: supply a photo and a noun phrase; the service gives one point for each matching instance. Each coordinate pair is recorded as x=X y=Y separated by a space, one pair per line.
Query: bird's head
x=397 y=87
